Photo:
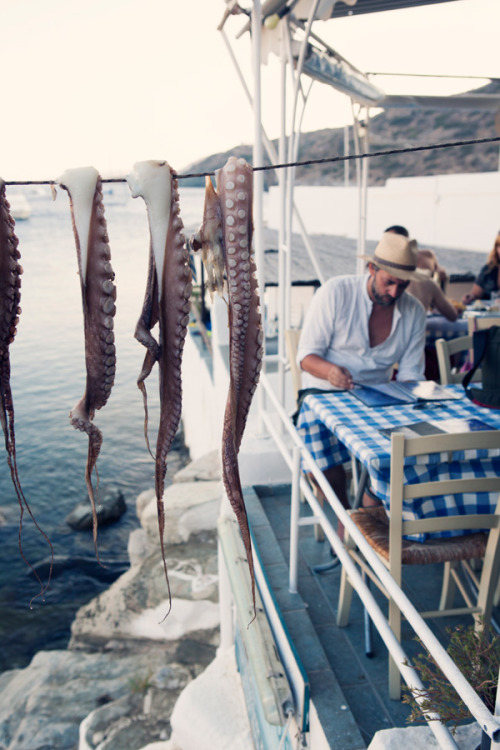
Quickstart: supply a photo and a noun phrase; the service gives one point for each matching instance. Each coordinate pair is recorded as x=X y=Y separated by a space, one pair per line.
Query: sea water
x=47 y=379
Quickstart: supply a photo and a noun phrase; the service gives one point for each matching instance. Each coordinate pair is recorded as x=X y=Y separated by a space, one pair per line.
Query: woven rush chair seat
x=454 y=540
x=374 y=524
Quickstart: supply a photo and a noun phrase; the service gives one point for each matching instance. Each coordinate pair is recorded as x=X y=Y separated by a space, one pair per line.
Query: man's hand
x=340 y=377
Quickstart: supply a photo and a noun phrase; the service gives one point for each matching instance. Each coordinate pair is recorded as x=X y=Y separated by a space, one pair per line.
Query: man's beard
x=384 y=300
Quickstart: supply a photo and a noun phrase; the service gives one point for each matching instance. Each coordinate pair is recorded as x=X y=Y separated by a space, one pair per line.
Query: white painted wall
x=457 y=211
x=201 y=418
x=205 y=390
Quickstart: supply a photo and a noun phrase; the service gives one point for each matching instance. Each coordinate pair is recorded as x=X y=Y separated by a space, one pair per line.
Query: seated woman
x=488 y=279
x=429 y=292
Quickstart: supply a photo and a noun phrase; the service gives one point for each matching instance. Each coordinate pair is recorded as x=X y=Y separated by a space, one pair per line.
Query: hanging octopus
x=167 y=302
x=225 y=238
x=98 y=298
x=10 y=297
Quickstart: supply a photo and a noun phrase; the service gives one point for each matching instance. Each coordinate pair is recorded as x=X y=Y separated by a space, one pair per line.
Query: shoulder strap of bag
x=479 y=341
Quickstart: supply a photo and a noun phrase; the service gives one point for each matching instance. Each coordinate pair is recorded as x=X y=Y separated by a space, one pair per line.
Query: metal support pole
x=363 y=199
x=294 y=521
x=346 y=153
x=258 y=177
x=282 y=225
x=258 y=160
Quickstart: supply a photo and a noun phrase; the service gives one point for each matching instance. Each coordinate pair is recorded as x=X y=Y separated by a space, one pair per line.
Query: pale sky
x=111 y=82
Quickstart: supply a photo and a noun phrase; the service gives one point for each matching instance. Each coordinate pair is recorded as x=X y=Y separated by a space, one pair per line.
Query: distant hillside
x=394 y=128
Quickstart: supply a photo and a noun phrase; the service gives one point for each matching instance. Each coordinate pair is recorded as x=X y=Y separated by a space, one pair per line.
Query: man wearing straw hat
x=358 y=328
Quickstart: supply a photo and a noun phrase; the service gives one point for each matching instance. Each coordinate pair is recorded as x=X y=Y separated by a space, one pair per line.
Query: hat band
x=390 y=263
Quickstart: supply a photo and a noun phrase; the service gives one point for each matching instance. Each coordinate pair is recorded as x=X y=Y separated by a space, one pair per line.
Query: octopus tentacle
x=167 y=301
x=209 y=240
x=226 y=241
x=148 y=319
x=98 y=298
x=10 y=297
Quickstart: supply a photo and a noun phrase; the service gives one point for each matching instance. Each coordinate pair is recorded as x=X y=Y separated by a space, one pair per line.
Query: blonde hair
x=493 y=259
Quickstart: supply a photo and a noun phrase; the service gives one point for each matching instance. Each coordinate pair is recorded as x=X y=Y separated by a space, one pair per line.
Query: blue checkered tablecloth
x=336 y=426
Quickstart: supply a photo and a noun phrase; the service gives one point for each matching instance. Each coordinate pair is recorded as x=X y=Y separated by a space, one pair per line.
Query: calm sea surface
x=48 y=377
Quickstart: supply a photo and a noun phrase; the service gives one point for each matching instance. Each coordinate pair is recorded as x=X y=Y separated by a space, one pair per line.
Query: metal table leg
x=362 y=482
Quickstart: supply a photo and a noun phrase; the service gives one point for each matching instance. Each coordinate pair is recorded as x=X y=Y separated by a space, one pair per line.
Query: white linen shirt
x=336 y=329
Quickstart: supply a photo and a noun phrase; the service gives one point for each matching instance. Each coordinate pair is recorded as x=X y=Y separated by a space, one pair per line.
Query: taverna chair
x=292 y=336
x=386 y=536
x=445 y=351
x=480 y=322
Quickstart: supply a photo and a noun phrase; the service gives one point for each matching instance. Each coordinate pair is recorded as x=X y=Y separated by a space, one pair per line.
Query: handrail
x=486 y=720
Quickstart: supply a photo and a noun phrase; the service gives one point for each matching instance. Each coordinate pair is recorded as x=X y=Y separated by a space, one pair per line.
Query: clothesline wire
x=306 y=163
x=431 y=75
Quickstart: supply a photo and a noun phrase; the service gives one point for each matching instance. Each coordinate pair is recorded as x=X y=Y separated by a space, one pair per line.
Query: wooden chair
x=480 y=322
x=386 y=535
x=445 y=350
x=292 y=336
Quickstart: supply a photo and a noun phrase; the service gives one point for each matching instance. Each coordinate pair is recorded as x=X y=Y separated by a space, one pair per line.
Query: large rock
x=127 y=663
x=190 y=508
x=207 y=468
x=110 y=507
x=467 y=738
x=137 y=717
x=42 y=706
x=136 y=605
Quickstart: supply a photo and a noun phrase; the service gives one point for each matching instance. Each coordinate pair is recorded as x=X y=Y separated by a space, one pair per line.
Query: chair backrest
x=445 y=350
x=402 y=447
x=480 y=322
x=292 y=336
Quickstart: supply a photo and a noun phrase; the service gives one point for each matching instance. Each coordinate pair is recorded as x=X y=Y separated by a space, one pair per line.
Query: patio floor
x=328 y=652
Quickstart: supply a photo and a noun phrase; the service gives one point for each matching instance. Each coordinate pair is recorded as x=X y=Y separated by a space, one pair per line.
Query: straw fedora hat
x=397 y=255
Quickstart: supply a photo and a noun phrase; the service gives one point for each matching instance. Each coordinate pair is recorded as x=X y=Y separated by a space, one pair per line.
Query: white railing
x=294 y=452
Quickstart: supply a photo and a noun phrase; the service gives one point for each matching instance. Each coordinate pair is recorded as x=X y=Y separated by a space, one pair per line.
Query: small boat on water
x=19 y=206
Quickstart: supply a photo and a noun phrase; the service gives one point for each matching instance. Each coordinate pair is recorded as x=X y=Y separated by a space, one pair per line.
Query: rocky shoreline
x=116 y=685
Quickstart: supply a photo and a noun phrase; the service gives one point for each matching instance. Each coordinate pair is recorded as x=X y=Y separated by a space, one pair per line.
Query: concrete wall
x=457 y=211
x=205 y=389
x=202 y=401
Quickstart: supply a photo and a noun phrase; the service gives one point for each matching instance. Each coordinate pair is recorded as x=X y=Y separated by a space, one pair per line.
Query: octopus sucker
x=225 y=238
x=167 y=302
x=84 y=188
x=10 y=310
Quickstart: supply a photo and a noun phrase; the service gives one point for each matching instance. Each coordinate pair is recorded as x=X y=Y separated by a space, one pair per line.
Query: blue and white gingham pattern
x=335 y=426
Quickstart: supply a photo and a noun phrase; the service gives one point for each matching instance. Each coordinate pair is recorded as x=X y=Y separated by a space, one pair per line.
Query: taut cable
x=306 y=163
